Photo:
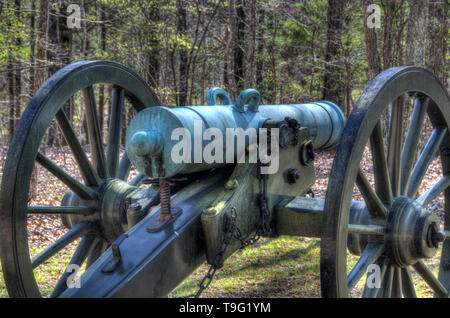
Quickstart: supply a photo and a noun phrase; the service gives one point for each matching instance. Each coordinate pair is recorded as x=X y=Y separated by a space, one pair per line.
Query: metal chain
x=218 y=259
x=233 y=231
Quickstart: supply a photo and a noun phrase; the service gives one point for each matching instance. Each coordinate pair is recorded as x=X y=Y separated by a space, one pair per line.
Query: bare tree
x=370 y=38
x=251 y=45
x=231 y=47
x=41 y=54
x=181 y=29
x=415 y=43
x=333 y=88
x=438 y=37
x=239 y=43
x=32 y=42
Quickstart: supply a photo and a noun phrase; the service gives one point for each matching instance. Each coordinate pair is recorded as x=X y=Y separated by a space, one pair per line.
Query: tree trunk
x=181 y=29
x=52 y=36
x=39 y=73
x=85 y=51
x=85 y=44
x=17 y=72
x=204 y=75
x=271 y=50
x=53 y=59
x=438 y=36
x=32 y=43
x=260 y=51
x=65 y=38
x=389 y=9
x=251 y=45
x=399 y=32
x=153 y=51
x=10 y=81
x=415 y=43
x=41 y=54
x=101 y=95
x=226 y=71
x=31 y=89
x=370 y=38
x=231 y=47
x=333 y=81
x=239 y=43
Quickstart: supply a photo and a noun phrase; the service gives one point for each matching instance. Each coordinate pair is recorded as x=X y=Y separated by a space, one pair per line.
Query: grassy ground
x=282 y=267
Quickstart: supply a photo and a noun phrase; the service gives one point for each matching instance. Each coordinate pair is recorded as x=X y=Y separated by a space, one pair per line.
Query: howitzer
x=223 y=175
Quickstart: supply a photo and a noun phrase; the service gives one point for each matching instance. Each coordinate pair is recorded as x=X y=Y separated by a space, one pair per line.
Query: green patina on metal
x=149 y=140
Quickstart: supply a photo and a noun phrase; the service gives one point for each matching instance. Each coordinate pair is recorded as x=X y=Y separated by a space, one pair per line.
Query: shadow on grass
x=266 y=276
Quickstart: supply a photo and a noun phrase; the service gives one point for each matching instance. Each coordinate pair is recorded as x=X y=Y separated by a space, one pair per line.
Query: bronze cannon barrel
x=154 y=133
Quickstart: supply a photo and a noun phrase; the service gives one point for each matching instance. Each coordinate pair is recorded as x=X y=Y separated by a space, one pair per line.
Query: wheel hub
x=111 y=206
x=411 y=232
x=113 y=202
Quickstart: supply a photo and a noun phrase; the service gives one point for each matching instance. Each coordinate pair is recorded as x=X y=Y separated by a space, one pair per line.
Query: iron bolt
x=210 y=211
x=231 y=184
x=435 y=236
x=292 y=122
x=135 y=207
x=293 y=175
x=307 y=153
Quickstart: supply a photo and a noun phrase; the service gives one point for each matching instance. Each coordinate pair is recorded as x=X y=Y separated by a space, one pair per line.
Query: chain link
x=218 y=259
x=233 y=231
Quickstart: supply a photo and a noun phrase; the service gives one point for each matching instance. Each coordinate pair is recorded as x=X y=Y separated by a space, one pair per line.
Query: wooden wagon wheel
x=88 y=207
x=400 y=235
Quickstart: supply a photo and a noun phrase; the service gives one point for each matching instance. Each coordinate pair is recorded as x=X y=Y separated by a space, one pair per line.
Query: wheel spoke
x=75 y=232
x=372 y=292
x=77 y=187
x=376 y=208
x=395 y=144
x=113 y=148
x=425 y=159
x=397 y=283
x=98 y=249
x=407 y=284
x=386 y=284
x=430 y=279
x=88 y=173
x=380 y=167
x=40 y=209
x=124 y=167
x=367 y=229
x=94 y=132
x=432 y=193
x=136 y=181
x=412 y=140
x=77 y=259
x=370 y=254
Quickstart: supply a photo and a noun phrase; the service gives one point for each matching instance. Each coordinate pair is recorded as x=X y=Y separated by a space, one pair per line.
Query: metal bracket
x=139 y=204
x=161 y=220
x=117 y=255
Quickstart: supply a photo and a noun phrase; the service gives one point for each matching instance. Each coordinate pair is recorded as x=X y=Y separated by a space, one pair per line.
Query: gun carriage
x=143 y=241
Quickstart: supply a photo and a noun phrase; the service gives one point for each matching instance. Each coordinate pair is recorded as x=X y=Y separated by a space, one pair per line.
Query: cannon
x=223 y=175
